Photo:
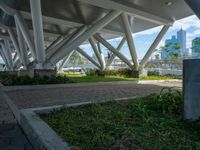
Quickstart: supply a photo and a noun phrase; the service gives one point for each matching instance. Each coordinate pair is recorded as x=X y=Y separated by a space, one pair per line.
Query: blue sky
x=144 y=39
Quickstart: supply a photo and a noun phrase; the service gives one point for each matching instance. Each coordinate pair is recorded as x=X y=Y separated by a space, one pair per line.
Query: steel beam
x=10 y=11
x=97 y=53
x=129 y=38
x=113 y=50
x=68 y=47
x=194 y=5
x=67 y=23
x=22 y=47
x=113 y=5
x=4 y=58
x=102 y=56
x=154 y=45
x=17 y=64
x=25 y=32
x=8 y=57
x=67 y=39
x=82 y=52
x=119 y=47
x=38 y=32
x=15 y=43
x=15 y=57
x=9 y=52
x=65 y=60
x=54 y=43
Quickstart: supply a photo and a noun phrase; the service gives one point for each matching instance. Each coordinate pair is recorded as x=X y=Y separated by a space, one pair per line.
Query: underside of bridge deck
x=41 y=34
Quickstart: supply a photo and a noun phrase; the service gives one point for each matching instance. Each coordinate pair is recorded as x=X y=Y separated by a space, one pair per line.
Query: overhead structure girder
x=97 y=53
x=68 y=47
x=82 y=52
x=100 y=19
x=119 y=47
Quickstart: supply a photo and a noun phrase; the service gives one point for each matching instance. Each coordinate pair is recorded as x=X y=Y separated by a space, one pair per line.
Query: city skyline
x=177 y=44
x=144 y=39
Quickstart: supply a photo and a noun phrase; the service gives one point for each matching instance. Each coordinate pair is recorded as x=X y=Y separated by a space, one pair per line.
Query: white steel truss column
x=25 y=32
x=154 y=45
x=38 y=32
x=119 y=47
x=68 y=47
x=67 y=39
x=113 y=50
x=17 y=64
x=15 y=43
x=7 y=54
x=82 y=52
x=22 y=47
x=102 y=56
x=15 y=57
x=97 y=53
x=131 y=45
x=4 y=58
x=65 y=60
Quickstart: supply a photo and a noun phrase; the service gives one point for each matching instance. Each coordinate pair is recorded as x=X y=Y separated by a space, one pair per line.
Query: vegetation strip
x=62 y=78
x=151 y=122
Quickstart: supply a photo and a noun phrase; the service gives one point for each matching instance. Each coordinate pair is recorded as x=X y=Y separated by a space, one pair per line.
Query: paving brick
x=14 y=147
x=4 y=141
x=11 y=135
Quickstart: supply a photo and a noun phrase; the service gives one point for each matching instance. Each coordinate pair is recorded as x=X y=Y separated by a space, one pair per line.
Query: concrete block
x=41 y=136
x=40 y=72
x=44 y=72
x=191 y=89
x=29 y=72
x=11 y=72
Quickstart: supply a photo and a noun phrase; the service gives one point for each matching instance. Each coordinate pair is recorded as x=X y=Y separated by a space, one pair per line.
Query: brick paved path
x=11 y=135
x=47 y=95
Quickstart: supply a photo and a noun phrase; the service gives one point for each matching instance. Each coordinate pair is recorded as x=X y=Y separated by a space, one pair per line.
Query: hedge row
x=7 y=79
x=120 y=72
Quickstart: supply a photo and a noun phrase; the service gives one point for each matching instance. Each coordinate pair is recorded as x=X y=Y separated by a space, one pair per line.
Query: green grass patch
x=153 y=122
x=62 y=78
x=79 y=79
x=153 y=77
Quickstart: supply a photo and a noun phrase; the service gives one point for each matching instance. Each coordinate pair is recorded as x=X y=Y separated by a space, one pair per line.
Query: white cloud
x=149 y=31
x=187 y=23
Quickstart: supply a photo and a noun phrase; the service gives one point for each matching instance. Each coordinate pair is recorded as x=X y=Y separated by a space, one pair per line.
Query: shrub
x=120 y=72
x=153 y=73
x=168 y=101
x=8 y=79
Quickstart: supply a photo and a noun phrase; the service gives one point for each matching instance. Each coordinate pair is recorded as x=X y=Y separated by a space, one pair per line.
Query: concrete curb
x=41 y=136
x=39 y=133
x=12 y=106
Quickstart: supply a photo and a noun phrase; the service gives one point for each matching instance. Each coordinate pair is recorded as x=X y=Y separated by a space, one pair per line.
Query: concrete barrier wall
x=165 y=71
x=191 y=89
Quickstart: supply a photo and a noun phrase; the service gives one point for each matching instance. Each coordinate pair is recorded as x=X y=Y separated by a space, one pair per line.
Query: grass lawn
x=153 y=122
x=78 y=79
x=156 y=78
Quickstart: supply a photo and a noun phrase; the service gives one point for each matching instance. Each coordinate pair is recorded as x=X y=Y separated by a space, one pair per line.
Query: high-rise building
x=196 y=47
x=176 y=44
x=181 y=37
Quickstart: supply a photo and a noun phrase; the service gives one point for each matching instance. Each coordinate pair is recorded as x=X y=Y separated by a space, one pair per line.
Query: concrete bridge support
x=38 y=32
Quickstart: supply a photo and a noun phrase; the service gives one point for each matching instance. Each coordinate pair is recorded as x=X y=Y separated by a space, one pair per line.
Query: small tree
x=196 y=46
x=172 y=51
x=76 y=58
